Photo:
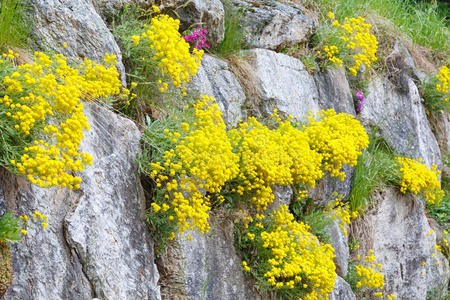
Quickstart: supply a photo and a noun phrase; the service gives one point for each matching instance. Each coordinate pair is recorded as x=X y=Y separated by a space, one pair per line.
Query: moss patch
x=5 y=267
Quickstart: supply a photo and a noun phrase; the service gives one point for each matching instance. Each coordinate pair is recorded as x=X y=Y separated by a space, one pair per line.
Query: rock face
x=202 y=13
x=440 y=125
x=282 y=83
x=399 y=233
x=339 y=241
x=273 y=25
x=341 y=291
x=76 y=23
x=109 y=8
x=334 y=91
x=212 y=268
x=214 y=78
x=95 y=244
x=401 y=119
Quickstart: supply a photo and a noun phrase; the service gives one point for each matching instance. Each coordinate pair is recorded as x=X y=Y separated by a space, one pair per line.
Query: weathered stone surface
x=95 y=244
x=108 y=8
x=108 y=224
x=282 y=83
x=341 y=291
x=399 y=233
x=440 y=125
x=339 y=241
x=401 y=119
x=205 y=13
x=401 y=63
x=44 y=266
x=334 y=91
x=283 y=195
x=273 y=25
x=212 y=268
x=76 y=23
x=214 y=78
x=329 y=187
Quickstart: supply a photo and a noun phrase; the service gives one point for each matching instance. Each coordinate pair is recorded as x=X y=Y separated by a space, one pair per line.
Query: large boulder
x=214 y=78
x=282 y=83
x=404 y=244
x=273 y=24
x=96 y=243
x=213 y=270
x=76 y=23
x=202 y=13
x=401 y=119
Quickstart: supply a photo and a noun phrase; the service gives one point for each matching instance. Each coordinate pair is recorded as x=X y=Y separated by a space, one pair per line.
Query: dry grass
x=241 y=68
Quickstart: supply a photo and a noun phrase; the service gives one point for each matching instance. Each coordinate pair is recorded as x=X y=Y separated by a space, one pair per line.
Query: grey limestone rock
x=108 y=8
x=96 y=243
x=401 y=119
x=341 y=291
x=76 y=23
x=329 y=187
x=212 y=268
x=400 y=235
x=339 y=241
x=214 y=78
x=334 y=91
x=282 y=83
x=440 y=125
x=273 y=24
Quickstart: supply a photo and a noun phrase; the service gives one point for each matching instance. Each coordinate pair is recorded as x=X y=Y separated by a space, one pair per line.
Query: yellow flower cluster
x=247 y=161
x=417 y=178
x=339 y=138
x=171 y=51
x=444 y=81
x=357 y=37
x=267 y=157
x=202 y=161
x=44 y=99
x=337 y=210
x=298 y=258
x=370 y=273
x=331 y=55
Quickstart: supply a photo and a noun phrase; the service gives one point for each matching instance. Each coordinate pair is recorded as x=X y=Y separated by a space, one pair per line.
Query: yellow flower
x=155 y=207
x=156 y=9
x=417 y=178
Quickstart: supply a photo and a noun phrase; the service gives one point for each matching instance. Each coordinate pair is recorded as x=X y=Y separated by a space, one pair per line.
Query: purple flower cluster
x=359 y=100
x=198 y=37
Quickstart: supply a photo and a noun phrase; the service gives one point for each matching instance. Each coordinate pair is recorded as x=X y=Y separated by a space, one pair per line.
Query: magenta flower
x=198 y=38
x=359 y=101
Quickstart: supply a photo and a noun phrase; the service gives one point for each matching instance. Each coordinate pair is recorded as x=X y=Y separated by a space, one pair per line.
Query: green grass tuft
x=14 y=25
x=376 y=167
x=433 y=99
x=10 y=228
